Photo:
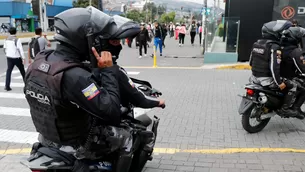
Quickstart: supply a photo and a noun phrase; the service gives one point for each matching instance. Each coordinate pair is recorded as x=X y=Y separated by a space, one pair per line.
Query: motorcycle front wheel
x=251 y=123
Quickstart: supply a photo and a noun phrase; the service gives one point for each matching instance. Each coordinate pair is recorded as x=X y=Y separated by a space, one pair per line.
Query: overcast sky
x=210 y=2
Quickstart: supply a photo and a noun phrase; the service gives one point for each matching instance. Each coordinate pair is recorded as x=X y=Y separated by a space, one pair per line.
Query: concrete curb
x=26 y=35
x=235 y=67
x=177 y=56
x=26 y=43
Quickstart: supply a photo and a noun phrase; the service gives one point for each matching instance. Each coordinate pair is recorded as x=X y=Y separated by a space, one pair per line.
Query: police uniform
x=130 y=94
x=265 y=61
x=64 y=97
x=292 y=65
x=266 y=58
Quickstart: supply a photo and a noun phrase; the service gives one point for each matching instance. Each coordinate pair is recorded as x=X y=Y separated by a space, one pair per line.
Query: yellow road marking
x=158 y=67
x=236 y=67
x=200 y=151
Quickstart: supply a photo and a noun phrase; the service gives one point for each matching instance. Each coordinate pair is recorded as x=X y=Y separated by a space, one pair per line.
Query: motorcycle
x=41 y=160
x=259 y=105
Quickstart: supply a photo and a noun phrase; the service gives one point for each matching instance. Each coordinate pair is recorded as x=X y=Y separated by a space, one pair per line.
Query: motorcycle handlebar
x=163 y=106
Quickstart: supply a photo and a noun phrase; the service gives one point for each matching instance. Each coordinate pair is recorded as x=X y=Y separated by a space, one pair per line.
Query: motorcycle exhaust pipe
x=262 y=99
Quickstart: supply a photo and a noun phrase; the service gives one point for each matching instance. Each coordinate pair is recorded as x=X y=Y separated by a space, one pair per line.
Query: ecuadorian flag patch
x=91 y=91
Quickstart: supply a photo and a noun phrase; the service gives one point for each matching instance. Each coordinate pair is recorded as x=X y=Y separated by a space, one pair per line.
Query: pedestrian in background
x=177 y=31
x=37 y=44
x=158 y=37
x=164 y=31
x=142 y=39
x=182 y=32
x=192 y=31
x=14 y=55
x=171 y=29
x=200 y=33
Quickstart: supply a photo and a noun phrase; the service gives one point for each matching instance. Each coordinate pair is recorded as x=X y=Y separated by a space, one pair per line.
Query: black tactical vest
x=261 y=55
x=55 y=118
x=288 y=67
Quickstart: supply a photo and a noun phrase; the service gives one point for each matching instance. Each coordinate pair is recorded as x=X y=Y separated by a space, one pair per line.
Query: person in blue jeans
x=158 y=38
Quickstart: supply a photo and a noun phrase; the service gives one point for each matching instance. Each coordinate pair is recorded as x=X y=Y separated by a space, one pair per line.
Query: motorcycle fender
x=155 y=125
x=245 y=105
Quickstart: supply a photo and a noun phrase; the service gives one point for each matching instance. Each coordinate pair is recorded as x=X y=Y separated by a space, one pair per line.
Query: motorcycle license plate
x=244 y=105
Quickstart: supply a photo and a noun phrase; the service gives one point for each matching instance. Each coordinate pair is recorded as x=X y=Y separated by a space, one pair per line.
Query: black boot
x=285 y=111
x=298 y=103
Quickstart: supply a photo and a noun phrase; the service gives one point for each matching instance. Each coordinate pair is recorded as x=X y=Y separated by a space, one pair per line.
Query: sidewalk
x=23 y=34
x=172 y=49
x=25 y=40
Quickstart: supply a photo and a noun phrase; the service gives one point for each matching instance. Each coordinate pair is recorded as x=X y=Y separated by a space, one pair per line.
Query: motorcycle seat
x=256 y=85
x=271 y=88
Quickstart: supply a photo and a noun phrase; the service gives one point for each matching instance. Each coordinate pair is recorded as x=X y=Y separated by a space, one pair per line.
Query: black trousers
x=163 y=41
x=193 y=34
x=11 y=63
x=181 y=38
x=143 y=44
x=200 y=37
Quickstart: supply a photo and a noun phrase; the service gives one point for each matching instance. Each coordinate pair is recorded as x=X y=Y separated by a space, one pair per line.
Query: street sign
x=205 y=11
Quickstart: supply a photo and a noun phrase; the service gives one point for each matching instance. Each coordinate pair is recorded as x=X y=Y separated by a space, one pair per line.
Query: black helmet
x=78 y=28
x=126 y=28
x=272 y=30
x=293 y=35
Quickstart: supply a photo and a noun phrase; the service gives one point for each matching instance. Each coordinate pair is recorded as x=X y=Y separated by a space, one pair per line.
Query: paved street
x=200 y=130
x=129 y=56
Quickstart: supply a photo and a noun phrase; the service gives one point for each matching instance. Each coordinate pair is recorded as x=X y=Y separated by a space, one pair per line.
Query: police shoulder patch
x=279 y=52
x=131 y=83
x=91 y=91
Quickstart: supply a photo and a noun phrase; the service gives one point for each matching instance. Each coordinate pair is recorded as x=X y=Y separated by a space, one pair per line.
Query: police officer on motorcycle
x=129 y=94
x=266 y=57
x=65 y=98
x=293 y=62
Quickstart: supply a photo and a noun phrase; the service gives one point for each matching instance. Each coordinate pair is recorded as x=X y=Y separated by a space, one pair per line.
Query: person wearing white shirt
x=15 y=56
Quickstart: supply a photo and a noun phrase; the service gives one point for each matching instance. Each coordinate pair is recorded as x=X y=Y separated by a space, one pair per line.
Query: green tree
x=135 y=15
x=152 y=10
x=84 y=3
x=169 y=17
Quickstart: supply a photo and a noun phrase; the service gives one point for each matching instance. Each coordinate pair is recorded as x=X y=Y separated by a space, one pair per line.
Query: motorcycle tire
x=245 y=120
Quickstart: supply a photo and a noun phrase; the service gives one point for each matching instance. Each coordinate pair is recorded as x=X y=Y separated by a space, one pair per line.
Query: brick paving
x=201 y=113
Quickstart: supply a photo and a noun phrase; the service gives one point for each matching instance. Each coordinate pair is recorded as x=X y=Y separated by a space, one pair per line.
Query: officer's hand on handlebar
x=162 y=104
x=282 y=86
x=104 y=60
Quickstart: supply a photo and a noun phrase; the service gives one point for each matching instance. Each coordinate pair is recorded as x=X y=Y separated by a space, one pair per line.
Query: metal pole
x=41 y=15
x=90 y=2
x=45 y=19
x=204 y=23
x=146 y=17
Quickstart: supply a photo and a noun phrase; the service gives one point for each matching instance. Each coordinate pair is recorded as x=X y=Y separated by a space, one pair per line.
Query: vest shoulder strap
x=52 y=68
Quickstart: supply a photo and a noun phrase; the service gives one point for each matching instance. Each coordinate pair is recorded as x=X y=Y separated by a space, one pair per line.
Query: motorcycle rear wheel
x=245 y=120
